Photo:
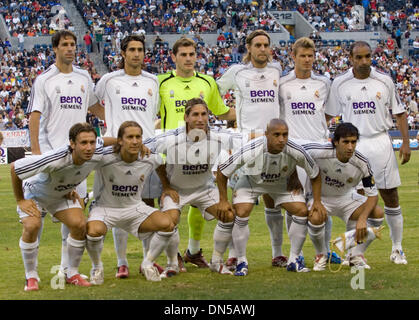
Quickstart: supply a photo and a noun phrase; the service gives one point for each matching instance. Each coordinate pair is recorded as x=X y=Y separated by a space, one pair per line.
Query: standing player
x=60 y=98
x=255 y=85
x=131 y=93
x=176 y=88
x=49 y=178
x=367 y=98
x=117 y=190
x=303 y=99
x=269 y=161
x=341 y=169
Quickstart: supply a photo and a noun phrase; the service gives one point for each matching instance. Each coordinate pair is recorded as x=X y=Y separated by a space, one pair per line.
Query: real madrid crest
x=317 y=94
x=378 y=95
x=150 y=92
x=82 y=89
x=350 y=180
x=57 y=89
x=118 y=90
x=247 y=84
x=275 y=83
x=285 y=168
x=142 y=178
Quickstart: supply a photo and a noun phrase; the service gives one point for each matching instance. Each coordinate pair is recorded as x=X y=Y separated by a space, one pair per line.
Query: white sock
x=288 y=220
x=275 y=221
x=231 y=251
x=328 y=233
x=75 y=250
x=297 y=235
x=146 y=245
x=375 y=223
x=222 y=237
x=194 y=246
x=30 y=258
x=158 y=243
x=120 y=239
x=395 y=223
x=41 y=229
x=240 y=236
x=94 y=247
x=317 y=233
x=65 y=231
x=173 y=248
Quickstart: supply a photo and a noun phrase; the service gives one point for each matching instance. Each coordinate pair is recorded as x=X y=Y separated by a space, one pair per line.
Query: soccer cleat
x=151 y=273
x=169 y=272
x=298 y=265
x=398 y=257
x=359 y=262
x=77 y=280
x=196 y=259
x=279 y=261
x=181 y=263
x=219 y=267
x=320 y=262
x=97 y=276
x=159 y=268
x=335 y=259
x=62 y=273
x=242 y=269
x=31 y=284
x=122 y=273
x=231 y=263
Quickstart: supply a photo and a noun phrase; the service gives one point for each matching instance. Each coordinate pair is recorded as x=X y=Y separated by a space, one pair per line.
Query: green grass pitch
x=384 y=281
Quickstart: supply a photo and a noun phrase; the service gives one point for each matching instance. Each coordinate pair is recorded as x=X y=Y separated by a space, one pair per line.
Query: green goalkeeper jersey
x=176 y=91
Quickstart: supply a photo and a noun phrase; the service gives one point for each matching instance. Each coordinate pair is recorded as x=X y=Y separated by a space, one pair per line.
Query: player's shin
x=75 y=250
x=222 y=237
x=394 y=220
x=158 y=243
x=275 y=221
x=196 y=228
x=240 y=236
x=120 y=238
x=297 y=234
x=94 y=247
x=317 y=234
x=30 y=258
x=65 y=231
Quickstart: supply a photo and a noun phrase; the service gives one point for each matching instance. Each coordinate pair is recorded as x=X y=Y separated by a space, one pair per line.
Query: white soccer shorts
x=247 y=191
x=342 y=206
x=128 y=219
x=382 y=158
x=201 y=198
x=52 y=207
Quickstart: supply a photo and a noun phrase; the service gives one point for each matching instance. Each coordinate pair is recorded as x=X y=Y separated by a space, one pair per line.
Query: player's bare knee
x=315 y=220
x=300 y=211
x=166 y=224
x=32 y=226
x=95 y=230
x=390 y=197
x=377 y=213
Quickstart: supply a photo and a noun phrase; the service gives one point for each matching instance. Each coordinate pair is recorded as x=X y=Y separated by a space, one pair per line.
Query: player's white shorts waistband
x=201 y=198
x=52 y=207
x=129 y=219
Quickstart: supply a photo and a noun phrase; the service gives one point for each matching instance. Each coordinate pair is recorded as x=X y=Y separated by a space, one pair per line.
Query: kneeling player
x=341 y=169
x=50 y=177
x=191 y=152
x=117 y=190
x=268 y=163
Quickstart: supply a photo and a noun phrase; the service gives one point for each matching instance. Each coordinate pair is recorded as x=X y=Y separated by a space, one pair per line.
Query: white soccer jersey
x=52 y=175
x=267 y=168
x=256 y=91
x=119 y=184
x=63 y=100
x=365 y=103
x=338 y=178
x=129 y=98
x=189 y=164
x=303 y=103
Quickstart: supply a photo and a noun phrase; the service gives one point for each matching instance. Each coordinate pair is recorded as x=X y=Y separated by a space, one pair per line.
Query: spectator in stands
x=88 y=42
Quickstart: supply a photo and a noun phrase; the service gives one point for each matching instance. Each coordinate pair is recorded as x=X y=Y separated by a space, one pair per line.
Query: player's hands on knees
x=317 y=212
x=171 y=193
x=225 y=211
x=145 y=151
x=404 y=153
x=293 y=184
x=361 y=230
x=29 y=207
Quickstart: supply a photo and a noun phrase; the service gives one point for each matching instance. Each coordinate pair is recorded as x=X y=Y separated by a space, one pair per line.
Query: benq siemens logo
x=303 y=108
x=366 y=107
x=71 y=102
x=258 y=96
x=136 y=104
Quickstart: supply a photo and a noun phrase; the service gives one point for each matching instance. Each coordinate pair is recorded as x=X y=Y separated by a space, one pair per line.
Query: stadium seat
x=282 y=43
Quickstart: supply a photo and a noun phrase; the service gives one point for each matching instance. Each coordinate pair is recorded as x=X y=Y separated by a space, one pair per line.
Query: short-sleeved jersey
x=365 y=103
x=303 y=103
x=338 y=178
x=129 y=98
x=63 y=100
x=266 y=168
x=189 y=164
x=256 y=92
x=176 y=91
x=52 y=175
x=119 y=184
